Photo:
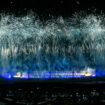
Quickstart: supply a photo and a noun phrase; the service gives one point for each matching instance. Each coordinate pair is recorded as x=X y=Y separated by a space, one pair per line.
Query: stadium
x=52 y=52
x=49 y=60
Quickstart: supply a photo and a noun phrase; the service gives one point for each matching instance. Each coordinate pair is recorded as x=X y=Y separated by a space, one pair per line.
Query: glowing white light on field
x=18 y=75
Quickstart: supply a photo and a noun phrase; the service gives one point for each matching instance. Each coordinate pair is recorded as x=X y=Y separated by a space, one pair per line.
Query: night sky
x=51 y=7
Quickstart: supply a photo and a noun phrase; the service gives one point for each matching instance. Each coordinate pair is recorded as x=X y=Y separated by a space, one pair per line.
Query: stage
x=85 y=80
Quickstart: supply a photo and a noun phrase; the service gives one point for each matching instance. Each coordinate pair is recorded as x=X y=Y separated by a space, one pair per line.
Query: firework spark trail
x=29 y=45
